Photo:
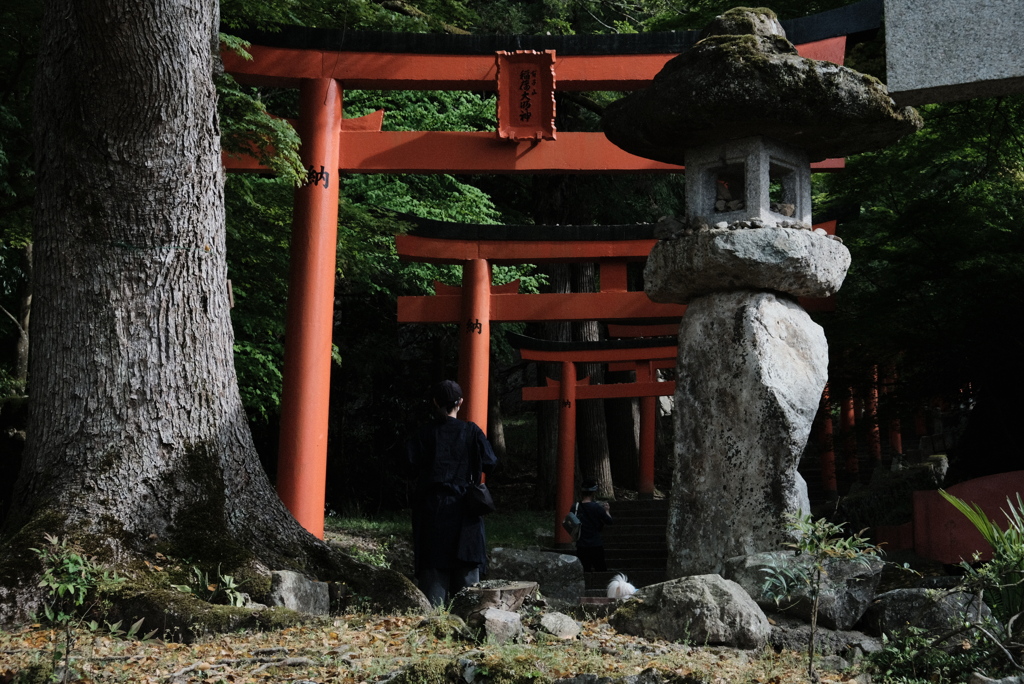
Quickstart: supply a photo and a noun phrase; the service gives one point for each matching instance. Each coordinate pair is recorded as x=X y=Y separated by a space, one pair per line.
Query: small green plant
x=999 y=581
x=911 y=657
x=72 y=579
x=223 y=589
x=820 y=542
x=377 y=557
x=1003 y=576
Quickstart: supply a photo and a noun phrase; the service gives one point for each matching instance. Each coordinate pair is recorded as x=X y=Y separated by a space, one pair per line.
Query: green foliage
x=258 y=228
x=934 y=226
x=247 y=128
x=217 y=588
x=71 y=579
x=912 y=658
x=820 y=542
x=1002 y=578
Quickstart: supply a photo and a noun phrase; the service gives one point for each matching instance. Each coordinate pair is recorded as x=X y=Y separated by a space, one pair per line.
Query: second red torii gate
x=477 y=303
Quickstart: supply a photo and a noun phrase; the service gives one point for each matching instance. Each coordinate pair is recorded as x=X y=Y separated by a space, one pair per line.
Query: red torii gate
x=330 y=142
x=477 y=303
x=641 y=356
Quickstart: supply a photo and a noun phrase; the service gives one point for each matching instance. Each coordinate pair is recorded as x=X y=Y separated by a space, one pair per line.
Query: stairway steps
x=634 y=545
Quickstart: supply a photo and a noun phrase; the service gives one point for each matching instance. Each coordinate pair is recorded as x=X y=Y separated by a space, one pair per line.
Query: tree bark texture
x=623 y=418
x=137 y=436
x=591 y=426
x=547 y=411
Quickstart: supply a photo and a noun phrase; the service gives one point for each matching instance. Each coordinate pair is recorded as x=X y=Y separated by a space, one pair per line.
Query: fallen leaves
x=362 y=648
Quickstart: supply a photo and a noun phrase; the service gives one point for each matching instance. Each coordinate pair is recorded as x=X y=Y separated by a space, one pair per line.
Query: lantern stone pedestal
x=746 y=115
x=751 y=368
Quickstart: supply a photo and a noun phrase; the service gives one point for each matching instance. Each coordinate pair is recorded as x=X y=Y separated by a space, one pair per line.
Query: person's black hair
x=446 y=394
x=588 y=486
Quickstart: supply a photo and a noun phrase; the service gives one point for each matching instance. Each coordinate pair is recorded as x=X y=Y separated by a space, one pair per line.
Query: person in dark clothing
x=447 y=456
x=593 y=517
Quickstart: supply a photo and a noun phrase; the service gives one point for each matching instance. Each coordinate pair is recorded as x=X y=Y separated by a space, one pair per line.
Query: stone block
x=297 y=592
x=944 y=50
x=801 y=263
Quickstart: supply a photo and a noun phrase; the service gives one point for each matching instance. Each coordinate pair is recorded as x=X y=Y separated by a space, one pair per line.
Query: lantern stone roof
x=744 y=79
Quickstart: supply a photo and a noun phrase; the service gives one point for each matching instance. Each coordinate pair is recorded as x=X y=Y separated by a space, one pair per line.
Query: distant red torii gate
x=478 y=303
x=641 y=356
x=331 y=144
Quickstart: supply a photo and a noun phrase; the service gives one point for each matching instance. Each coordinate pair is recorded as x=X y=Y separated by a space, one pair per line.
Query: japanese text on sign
x=527 y=91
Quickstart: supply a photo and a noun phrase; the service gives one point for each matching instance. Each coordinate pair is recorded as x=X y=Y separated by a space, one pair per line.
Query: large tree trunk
x=591 y=427
x=547 y=411
x=137 y=439
x=623 y=418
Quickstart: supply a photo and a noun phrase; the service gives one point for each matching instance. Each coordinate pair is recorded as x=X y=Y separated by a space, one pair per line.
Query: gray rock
x=799 y=263
x=559 y=625
x=704 y=609
x=793 y=634
x=291 y=590
x=736 y=85
x=847 y=587
x=750 y=372
x=978 y=678
x=501 y=626
x=935 y=610
x=558 y=574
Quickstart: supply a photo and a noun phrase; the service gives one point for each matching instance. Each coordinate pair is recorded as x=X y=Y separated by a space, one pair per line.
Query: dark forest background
x=935 y=224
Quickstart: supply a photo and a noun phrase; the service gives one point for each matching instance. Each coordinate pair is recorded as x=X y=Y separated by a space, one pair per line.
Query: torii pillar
x=302 y=460
x=564 y=470
x=475 y=341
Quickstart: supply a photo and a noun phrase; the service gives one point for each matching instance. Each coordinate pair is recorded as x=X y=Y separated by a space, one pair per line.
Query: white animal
x=620 y=588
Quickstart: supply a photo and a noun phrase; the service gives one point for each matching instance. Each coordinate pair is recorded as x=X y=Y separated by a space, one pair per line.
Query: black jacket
x=446 y=456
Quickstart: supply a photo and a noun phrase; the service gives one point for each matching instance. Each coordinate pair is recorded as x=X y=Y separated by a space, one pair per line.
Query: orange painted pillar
x=648 y=417
x=302 y=459
x=475 y=341
x=847 y=421
x=874 y=431
x=826 y=445
x=565 y=470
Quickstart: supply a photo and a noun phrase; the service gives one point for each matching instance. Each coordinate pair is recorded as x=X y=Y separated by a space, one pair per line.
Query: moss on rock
x=746 y=79
x=184 y=617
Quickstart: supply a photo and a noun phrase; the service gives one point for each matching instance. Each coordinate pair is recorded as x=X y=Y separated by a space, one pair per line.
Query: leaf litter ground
x=358 y=648
x=364 y=648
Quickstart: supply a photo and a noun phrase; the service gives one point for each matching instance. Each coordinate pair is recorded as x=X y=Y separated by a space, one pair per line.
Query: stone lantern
x=746 y=115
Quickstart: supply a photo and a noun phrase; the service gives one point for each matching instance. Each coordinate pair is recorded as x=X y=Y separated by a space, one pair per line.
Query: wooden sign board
x=526 y=95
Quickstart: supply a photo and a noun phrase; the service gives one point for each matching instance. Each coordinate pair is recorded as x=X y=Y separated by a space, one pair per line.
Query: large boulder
x=936 y=610
x=705 y=609
x=847 y=587
x=750 y=372
x=558 y=574
x=793 y=634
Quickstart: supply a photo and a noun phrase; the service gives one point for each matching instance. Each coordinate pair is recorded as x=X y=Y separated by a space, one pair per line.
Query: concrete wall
x=942 y=50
